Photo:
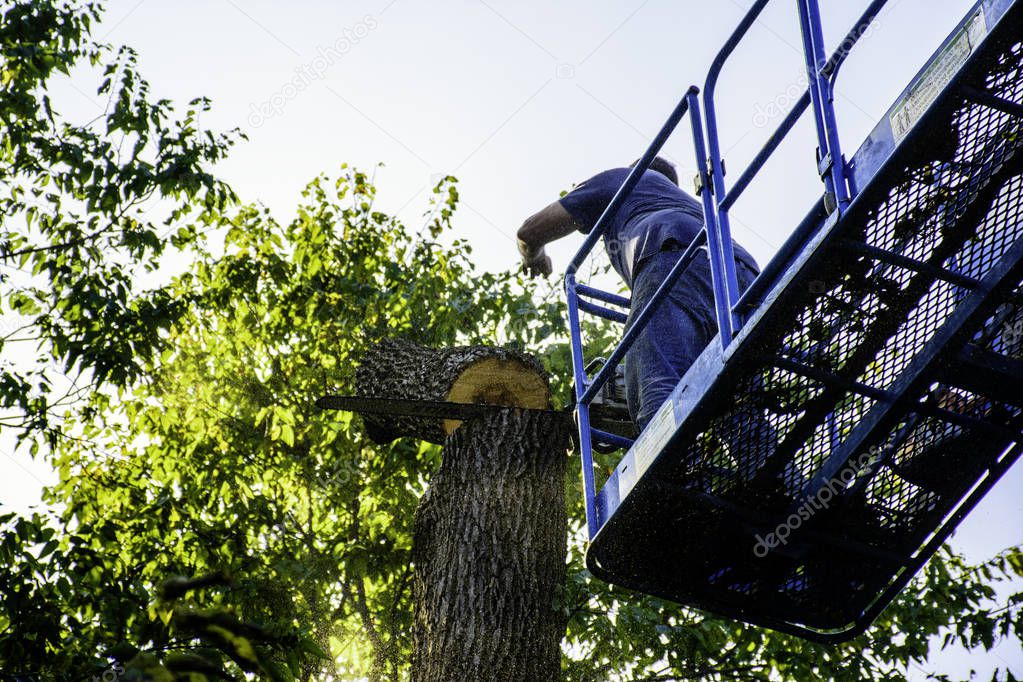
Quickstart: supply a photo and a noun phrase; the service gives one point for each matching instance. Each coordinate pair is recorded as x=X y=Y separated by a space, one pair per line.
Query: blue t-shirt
x=655 y=212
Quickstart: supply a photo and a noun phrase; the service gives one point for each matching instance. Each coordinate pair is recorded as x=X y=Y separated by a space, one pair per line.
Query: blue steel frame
x=717 y=200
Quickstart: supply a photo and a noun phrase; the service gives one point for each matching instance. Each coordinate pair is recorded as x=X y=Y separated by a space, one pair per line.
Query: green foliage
x=218 y=463
x=78 y=233
x=620 y=631
x=63 y=587
x=209 y=522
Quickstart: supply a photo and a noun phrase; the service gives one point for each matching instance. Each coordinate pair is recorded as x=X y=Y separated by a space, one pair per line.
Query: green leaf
x=310 y=646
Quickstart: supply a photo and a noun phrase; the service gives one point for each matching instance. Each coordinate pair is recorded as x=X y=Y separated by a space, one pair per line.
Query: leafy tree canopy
x=78 y=235
x=208 y=521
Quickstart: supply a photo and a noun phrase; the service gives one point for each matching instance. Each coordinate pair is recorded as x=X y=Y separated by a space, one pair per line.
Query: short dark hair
x=662 y=166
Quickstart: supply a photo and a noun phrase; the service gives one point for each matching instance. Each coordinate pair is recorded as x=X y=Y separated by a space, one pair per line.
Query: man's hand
x=539 y=265
x=552 y=223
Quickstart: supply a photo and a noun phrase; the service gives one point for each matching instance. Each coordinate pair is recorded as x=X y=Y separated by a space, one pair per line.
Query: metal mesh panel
x=864 y=320
x=840 y=442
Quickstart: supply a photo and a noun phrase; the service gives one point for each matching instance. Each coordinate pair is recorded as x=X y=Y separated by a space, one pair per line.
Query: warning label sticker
x=938 y=75
x=656 y=435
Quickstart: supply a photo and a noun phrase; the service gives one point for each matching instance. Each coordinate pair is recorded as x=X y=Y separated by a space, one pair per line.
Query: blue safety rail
x=867 y=390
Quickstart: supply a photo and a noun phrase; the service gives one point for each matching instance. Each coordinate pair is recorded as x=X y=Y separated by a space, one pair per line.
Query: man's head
x=662 y=166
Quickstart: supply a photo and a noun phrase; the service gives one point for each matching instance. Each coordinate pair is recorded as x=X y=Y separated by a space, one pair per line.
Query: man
x=644 y=240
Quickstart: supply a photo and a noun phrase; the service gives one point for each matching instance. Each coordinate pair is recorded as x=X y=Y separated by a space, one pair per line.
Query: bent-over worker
x=644 y=240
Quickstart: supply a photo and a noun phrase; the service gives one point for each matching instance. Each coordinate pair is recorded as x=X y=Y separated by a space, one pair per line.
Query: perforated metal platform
x=801 y=475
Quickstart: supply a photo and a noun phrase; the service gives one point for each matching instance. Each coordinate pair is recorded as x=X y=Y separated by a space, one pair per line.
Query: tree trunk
x=489 y=535
x=489 y=549
x=467 y=374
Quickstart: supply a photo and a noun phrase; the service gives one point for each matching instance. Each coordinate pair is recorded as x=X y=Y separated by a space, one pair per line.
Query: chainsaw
x=608 y=410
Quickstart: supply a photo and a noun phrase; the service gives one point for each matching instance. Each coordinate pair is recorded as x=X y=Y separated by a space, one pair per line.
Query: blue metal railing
x=717 y=200
x=585 y=389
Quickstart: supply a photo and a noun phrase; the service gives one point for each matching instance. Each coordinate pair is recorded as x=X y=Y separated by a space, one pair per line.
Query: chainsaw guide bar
x=429 y=409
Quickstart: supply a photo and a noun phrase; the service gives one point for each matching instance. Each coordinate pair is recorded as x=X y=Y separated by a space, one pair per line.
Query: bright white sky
x=518 y=100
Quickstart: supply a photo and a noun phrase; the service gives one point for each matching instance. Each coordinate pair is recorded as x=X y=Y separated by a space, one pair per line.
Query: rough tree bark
x=489 y=548
x=396 y=368
x=489 y=543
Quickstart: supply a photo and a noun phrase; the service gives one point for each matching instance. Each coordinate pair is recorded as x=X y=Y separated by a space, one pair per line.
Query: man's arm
x=550 y=224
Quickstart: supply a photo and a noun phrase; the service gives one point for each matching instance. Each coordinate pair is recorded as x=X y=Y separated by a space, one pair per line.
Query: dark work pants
x=671 y=342
x=680 y=329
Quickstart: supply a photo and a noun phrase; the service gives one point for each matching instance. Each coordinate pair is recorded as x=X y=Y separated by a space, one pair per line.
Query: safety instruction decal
x=656 y=435
x=939 y=74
